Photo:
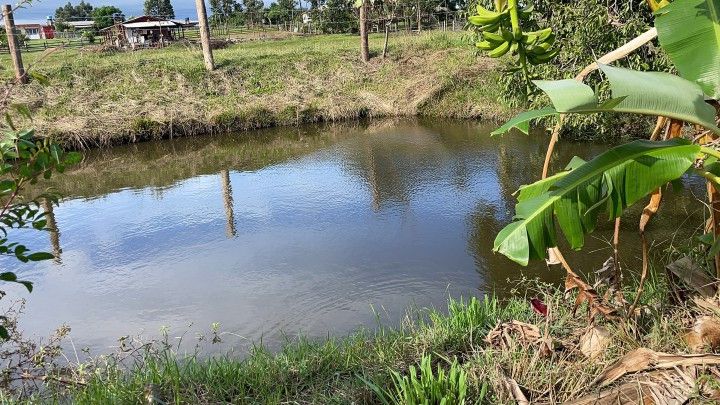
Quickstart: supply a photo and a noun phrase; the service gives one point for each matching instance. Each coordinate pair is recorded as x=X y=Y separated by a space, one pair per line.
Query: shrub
x=585 y=31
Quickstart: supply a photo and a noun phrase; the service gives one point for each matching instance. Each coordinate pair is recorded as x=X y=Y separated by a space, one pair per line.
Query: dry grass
x=98 y=98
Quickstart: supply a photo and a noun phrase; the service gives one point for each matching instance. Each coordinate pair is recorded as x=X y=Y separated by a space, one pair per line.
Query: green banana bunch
x=500 y=36
x=539 y=46
x=486 y=19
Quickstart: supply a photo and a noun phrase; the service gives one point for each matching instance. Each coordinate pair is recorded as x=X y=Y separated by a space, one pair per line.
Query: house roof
x=185 y=22
x=149 y=24
x=28 y=25
x=81 y=24
x=145 y=21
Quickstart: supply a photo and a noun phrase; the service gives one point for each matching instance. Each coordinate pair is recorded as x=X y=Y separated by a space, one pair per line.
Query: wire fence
x=39 y=45
x=317 y=23
x=263 y=26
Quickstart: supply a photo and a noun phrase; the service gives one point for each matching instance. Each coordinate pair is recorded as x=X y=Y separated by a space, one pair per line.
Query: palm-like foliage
x=614 y=180
x=690 y=32
x=647 y=93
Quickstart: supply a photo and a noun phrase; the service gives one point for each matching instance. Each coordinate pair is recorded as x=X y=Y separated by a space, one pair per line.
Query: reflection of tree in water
x=52 y=227
x=228 y=203
x=396 y=162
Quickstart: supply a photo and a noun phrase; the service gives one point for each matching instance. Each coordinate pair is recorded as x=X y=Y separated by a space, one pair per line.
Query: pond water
x=315 y=230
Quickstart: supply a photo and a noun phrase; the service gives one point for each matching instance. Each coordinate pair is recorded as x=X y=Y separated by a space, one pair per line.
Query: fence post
x=205 y=35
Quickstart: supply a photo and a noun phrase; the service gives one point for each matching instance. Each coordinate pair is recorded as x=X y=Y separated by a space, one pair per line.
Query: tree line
x=329 y=16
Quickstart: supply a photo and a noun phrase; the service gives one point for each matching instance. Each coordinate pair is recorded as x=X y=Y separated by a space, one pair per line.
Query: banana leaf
x=615 y=180
x=689 y=31
x=647 y=93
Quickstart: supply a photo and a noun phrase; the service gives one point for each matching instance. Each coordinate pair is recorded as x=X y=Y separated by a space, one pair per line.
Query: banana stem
x=710 y=151
x=709 y=176
x=514 y=18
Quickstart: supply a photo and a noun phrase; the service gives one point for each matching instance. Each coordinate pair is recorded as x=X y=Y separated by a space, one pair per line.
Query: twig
x=643 y=276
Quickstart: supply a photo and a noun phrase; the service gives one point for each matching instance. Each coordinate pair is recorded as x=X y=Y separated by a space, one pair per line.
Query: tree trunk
x=364 y=47
x=387 y=35
x=419 y=18
x=14 y=44
x=205 y=35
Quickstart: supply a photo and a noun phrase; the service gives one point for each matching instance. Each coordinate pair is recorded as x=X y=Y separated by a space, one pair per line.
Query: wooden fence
x=42 y=45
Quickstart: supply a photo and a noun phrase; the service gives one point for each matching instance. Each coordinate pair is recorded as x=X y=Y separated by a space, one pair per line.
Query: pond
x=317 y=230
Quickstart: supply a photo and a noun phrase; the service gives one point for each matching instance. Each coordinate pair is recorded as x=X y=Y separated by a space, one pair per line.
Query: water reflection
x=228 y=202
x=52 y=227
x=304 y=230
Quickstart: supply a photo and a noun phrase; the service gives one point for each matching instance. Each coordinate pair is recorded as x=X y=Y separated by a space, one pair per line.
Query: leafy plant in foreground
x=25 y=159
x=625 y=174
x=425 y=387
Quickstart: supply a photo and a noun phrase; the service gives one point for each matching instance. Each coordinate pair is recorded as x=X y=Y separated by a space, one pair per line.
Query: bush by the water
x=585 y=31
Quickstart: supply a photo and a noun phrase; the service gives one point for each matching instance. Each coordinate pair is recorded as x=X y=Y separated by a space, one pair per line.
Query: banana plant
x=502 y=32
x=688 y=31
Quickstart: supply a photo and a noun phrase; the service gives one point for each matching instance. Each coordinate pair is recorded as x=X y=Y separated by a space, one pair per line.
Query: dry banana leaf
x=667 y=387
x=594 y=341
x=645 y=359
x=596 y=304
x=704 y=335
x=515 y=392
x=506 y=335
x=692 y=276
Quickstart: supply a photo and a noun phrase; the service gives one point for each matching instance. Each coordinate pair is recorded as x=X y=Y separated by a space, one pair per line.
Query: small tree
x=338 y=16
x=161 y=8
x=253 y=11
x=282 y=11
x=104 y=16
x=224 y=10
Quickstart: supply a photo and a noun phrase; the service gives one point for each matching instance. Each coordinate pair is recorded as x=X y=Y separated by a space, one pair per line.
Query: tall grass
x=432 y=354
x=114 y=97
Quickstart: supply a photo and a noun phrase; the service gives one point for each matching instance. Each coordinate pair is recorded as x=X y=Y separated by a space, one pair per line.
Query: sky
x=40 y=9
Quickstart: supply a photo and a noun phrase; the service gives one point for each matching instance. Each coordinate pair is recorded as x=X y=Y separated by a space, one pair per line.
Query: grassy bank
x=98 y=98
x=355 y=368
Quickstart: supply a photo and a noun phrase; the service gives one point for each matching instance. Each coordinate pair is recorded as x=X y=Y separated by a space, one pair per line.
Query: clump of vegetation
x=426 y=387
x=583 y=32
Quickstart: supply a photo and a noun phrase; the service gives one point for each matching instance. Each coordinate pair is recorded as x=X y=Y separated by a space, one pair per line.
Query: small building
x=48 y=31
x=31 y=31
x=143 y=31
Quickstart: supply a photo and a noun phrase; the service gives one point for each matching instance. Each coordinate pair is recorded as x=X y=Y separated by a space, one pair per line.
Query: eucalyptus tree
x=161 y=8
x=224 y=10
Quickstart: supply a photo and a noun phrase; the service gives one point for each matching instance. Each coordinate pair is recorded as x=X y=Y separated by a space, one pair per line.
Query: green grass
x=370 y=366
x=100 y=97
